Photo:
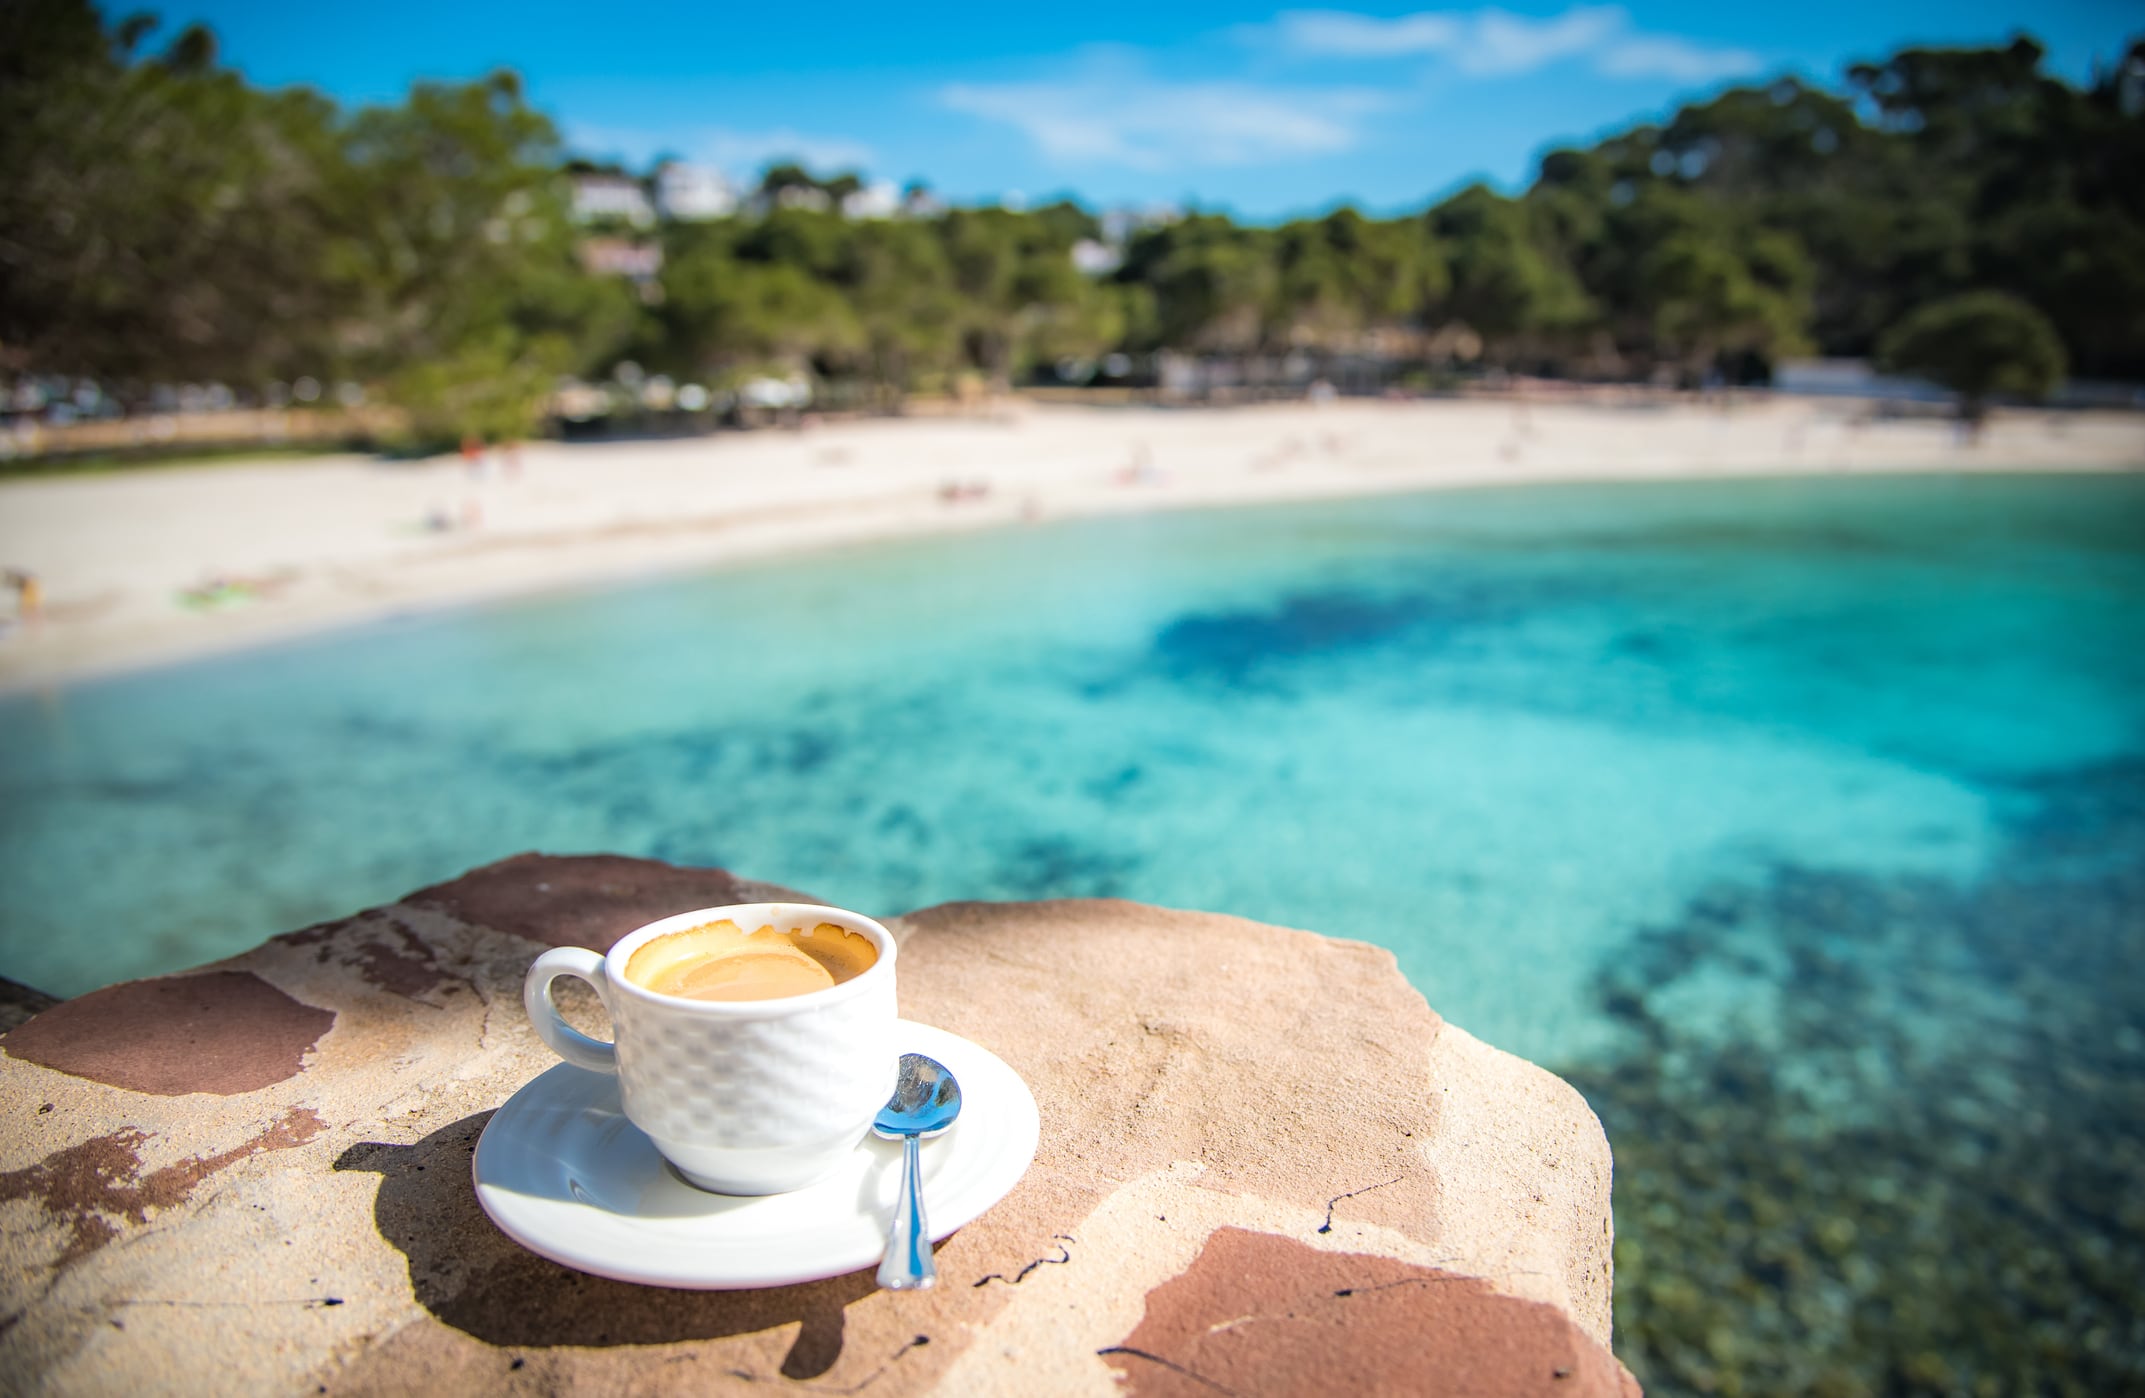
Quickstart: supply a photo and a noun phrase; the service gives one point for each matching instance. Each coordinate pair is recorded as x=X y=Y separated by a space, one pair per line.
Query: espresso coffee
x=722 y=961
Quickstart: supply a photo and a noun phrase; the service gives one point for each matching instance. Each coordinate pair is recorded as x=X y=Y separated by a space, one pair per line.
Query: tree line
x=1961 y=212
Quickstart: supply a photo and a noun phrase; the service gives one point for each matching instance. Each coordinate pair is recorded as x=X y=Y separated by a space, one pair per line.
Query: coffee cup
x=742 y=1096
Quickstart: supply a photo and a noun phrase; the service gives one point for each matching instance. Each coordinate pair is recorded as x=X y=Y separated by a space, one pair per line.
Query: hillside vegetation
x=163 y=221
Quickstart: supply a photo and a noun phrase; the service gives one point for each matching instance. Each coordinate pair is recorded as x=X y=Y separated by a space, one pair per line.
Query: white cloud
x=1665 y=56
x=1493 y=42
x=1367 y=36
x=1116 y=114
x=1502 y=42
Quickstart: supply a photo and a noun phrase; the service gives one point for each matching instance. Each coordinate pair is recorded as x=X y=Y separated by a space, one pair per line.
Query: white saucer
x=563 y=1173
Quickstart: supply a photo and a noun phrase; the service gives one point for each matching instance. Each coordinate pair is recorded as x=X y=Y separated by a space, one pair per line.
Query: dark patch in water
x=1232 y=647
x=2069 y=812
x=684 y=757
x=573 y=763
x=1918 y=1173
x=806 y=751
x=1115 y=786
x=695 y=756
x=688 y=755
x=379 y=728
x=1055 y=866
x=1794 y=538
x=691 y=849
x=902 y=821
x=1640 y=645
x=179 y=786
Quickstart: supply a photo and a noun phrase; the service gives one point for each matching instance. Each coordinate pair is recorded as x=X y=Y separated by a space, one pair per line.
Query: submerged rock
x=1910 y=1164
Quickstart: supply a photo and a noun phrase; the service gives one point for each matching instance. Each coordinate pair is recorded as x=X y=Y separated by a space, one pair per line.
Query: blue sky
x=1264 y=110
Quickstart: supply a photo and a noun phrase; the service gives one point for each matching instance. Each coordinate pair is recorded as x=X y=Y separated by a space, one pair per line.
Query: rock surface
x=1266 y=1165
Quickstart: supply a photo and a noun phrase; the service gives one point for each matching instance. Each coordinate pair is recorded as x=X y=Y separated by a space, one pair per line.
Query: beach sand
x=146 y=567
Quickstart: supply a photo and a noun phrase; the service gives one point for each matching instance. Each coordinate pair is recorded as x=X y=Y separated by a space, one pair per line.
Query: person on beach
x=29 y=596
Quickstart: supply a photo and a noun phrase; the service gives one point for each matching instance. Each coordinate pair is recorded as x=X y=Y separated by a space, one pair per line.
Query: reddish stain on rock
x=95 y=1186
x=394 y=958
x=581 y=900
x=1257 y=1313
x=223 y=1032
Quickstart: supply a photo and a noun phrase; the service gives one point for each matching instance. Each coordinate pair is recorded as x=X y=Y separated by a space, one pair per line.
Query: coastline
x=313 y=545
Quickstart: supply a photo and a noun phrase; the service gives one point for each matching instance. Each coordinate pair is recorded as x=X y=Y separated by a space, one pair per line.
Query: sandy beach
x=146 y=567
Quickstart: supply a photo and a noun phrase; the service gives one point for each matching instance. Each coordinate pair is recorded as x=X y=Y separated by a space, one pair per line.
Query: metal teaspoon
x=926 y=1100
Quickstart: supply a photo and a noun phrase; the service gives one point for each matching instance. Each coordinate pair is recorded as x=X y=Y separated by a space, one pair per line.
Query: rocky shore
x=1266 y=1165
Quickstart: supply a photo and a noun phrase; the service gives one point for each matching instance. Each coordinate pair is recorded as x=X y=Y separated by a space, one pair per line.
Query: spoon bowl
x=926 y=1099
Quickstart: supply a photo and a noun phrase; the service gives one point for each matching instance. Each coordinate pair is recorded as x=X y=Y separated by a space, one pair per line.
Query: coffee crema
x=722 y=961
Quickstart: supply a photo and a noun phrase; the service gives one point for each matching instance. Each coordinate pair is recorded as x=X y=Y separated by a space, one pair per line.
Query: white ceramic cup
x=742 y=1096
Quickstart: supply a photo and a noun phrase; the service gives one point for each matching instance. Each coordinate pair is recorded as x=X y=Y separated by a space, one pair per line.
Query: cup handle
x=563 y=1039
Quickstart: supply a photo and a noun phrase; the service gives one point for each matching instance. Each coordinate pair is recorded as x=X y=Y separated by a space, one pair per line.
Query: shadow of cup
x=472 y=1277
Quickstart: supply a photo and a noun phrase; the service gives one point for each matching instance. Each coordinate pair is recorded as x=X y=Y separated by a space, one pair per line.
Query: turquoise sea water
x=1778 y=815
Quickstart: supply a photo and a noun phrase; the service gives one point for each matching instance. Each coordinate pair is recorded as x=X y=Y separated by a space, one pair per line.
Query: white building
x=691 y=193
x=621 y=257
x=1095 y=259
x=598 y=196
x=879 y=199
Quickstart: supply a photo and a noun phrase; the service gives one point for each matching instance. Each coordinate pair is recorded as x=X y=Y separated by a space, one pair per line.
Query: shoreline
x=315 y=545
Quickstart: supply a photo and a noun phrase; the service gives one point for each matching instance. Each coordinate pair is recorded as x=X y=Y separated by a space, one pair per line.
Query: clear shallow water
x=1495 y=731
x=1644 y=782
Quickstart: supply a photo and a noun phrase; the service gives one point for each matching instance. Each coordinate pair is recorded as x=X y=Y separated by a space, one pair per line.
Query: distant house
x=919 y=202
x=879 y=199
x=621 y=257
x=1857 y=378
x=1851 y=378
x=605 y=196
x=1096 y=259
x=686 y=193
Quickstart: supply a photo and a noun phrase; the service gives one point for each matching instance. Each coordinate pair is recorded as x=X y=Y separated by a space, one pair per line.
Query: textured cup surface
x=743 y=1096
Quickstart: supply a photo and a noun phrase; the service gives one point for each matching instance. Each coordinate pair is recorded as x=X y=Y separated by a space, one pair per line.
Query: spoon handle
x=909 y=1265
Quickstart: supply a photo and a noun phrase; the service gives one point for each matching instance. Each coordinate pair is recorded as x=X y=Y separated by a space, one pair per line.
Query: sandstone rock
x=1266 y=1165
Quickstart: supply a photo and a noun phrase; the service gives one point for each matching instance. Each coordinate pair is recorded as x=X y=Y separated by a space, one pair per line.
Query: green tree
x=902 y=286
x=1979 y=345
x=1708 y=302
x=159 y=219
x=1020 y=298
x=727 y=312
x=1508 y=282
x=1691 y=284
x=1343 y=275
x=162 y=221
x=453 y=241
x=1211 y=281
x=983 y=253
